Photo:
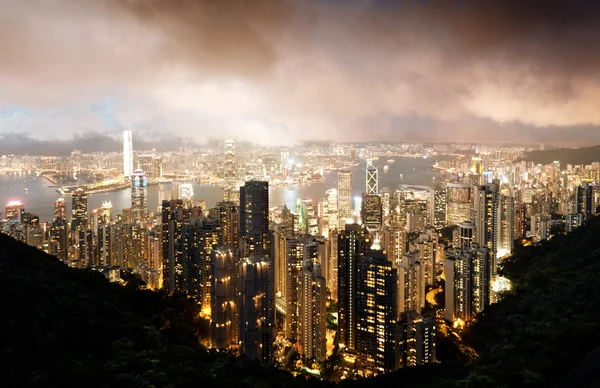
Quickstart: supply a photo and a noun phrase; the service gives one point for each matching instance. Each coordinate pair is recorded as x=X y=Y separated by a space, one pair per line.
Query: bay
x=41 y=194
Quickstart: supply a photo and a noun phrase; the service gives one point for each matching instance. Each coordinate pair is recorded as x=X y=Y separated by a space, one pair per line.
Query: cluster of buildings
x=272 y=280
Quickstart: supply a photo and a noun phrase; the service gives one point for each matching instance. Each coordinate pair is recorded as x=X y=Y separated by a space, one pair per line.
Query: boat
x=391 y=161
x=386 y=168
x=26 y=189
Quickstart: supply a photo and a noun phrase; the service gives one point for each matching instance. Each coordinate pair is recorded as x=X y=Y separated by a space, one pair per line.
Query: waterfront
x=41 y=193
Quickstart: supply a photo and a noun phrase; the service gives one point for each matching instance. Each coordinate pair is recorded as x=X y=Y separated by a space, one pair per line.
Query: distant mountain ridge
x=573 y=156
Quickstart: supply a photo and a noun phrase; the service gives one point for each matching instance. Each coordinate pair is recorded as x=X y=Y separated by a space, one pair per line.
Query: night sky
x=276 y=72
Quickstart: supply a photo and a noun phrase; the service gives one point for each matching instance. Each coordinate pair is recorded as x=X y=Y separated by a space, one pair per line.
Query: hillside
x=63 y=326
x=585 y=155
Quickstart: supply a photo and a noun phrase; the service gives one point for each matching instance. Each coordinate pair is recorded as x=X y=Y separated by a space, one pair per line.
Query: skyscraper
x=417 y=339
x=311 y=322
x=139 y=195
x=256 y=314
x=458 y=203
x=371 y=211
x=127 y=154
x=254 y=219
x=173 y=216
x=376 y=315
x=60 y=209
x=344 y=198
x=467 y=282
x=227 y=215
x=224 y=324
x=372 y=179
x=14 y=211
x=79 y=216
x=351 y=245
x=437 y=208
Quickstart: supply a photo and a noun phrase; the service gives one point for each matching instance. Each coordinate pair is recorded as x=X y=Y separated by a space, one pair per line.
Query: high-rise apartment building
x=223 y=299
x=254 y=219
x=417 y=339
x=13 y=211
x=229 y=170
x=351 y=246
x=467 y=282
x=256 y=304
x=437 y=208
x=298 y=251
x=344 y=198
x=312 y=320
x=173 y=217
x=227 y=215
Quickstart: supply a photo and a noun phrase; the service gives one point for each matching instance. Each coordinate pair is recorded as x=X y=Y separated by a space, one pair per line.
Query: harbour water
x=41 y=194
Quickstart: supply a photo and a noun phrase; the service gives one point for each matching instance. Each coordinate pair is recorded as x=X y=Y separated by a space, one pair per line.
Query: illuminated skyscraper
x=127 y=154
x=437 y=208
x=254 y=219
x=79 y=216
x=186 y=193
x=139 y=196
x=344 y=198
x=298 y=250
x=376 y=313
x=60 y=209
x=372 y=179
x=351 y=245
x=256 y=314
x=371 y=211
x=486 y=211
x=14 y=211
x=467 y=282
x=59 y=238
x=105 y=214
x=173 y=216
x=312 y=321
x=458 y=203
x=223 y=299
x=228 y=217
x=417 y=339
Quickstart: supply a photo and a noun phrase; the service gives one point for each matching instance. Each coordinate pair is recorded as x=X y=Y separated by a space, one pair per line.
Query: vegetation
x=585 y=155
x=67 y=327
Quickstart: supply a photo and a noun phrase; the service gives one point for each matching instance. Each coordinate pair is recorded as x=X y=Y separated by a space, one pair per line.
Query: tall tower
x=229 y=170
x=79 y=216
x=60 y=209
x=139 y=195
x=223 y=296
x=376 y=283
x=351 y=244
x=127 y=154
x=254 y=219
x=344 y=198
x=372 y=178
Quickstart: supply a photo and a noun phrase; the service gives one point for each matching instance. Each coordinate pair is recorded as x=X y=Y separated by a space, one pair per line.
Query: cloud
x=283 y=71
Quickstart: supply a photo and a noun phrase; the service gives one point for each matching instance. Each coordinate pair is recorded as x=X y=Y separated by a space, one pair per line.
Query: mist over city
x=308 y=193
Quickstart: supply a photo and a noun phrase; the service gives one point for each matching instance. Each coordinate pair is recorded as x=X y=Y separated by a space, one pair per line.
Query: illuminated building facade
x=467 y=282
x=344 y=197
x=417 y=339
x=79 y=216
x=376 y=314
x=298 y=251
x=372 y=211
x=458 y=203
x=13 y=211
x=223 y=299
x=437 y=208
x=60 y=209
x=254 y=219
x=139 y=196
x=256 y=304
x=311 y=322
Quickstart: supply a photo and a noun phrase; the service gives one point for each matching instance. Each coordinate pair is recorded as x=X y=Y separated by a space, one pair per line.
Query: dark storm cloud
x=280 y=71
x=20 y=144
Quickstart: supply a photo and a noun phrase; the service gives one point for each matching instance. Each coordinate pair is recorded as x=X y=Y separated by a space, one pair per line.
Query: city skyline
x=367 y=71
